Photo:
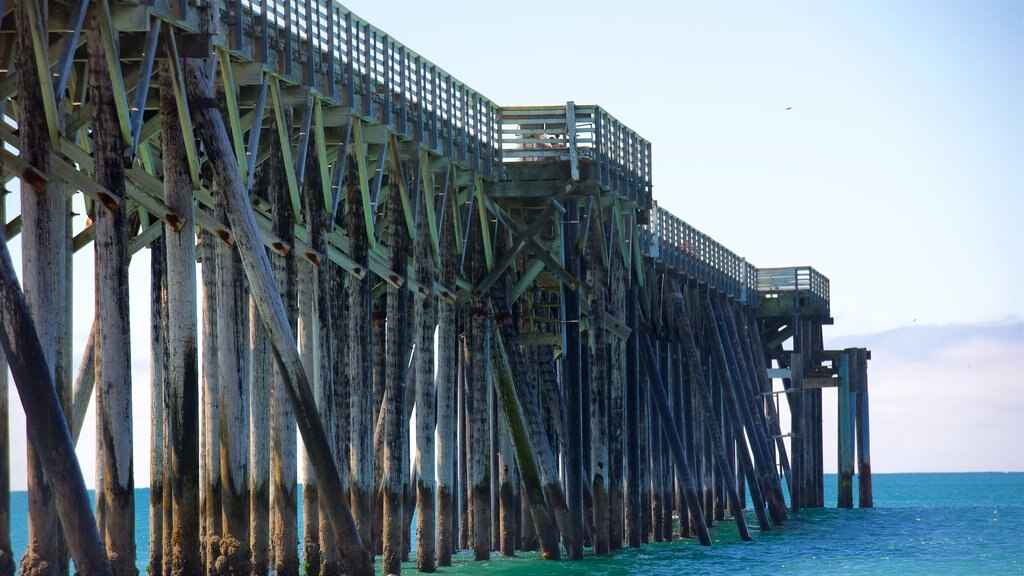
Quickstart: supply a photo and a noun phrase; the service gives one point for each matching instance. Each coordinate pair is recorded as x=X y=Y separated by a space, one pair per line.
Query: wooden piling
x=796 y=403
x=631 y=420
x=517 y=395
x=674 y=443
x=677 y=309
x=360 y=370
x=232 y=555
x=745 y=394
x=508 y=479
x=342 y=413
x=209 y=443
x=478 y=374
x=243 y=224
x=158 y=379
x=182 y=341
x=572 y=385
x=47 y=424
x=425 y=306
x=43 y=247
x=617 y=377
x=865 y=497
x=753 y=348
x=283 y=460
x=446 y=385
x=305 y=296
x=326 y=384
x=259 y=441
x=734 y=376
x=597 y=280
x=846 y=424
x=395 y=421
x=6 y=554
x=113 y=341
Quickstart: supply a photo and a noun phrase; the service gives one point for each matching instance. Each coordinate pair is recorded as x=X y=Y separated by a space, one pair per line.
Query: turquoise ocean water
x=922 y=524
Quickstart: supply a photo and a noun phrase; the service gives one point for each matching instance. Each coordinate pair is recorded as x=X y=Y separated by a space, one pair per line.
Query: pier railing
x=324 y=46
x=694 y=253
x=621 y=159
x=804 y=281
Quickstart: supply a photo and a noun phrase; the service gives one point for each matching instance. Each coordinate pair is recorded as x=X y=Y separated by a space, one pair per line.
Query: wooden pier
x=372 y=238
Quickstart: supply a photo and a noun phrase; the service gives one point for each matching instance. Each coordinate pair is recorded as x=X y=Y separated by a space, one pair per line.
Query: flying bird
x=790 y=108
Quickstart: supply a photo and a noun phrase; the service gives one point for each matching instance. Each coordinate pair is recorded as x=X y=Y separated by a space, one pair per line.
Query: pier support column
x=631 y=418
x=44 y=266
x=616 y=394
x=518 y=399
x=846 y=414
x=283 y=461
x=865 y=497
x=113 y=341
x=183 y=549
x=396 y=432
x=6 y=554
x=572 y=386
x=597 y=283
x=233 y=552
x=478 y=376
x=425 y=304
x=446 y=385
x=796 y=403
x=259 y=440
x=360 y=370
x=47 y=423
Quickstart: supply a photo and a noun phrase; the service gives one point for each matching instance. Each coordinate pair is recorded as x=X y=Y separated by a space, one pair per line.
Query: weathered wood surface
x=678 y=309
x=211 y=129
x=572 y=530
x=865 y=496
x=6 y=553
x=233 y=554
x=735 y=391
x=518 y=399
x=529 y=449
x=600 y=385
x=209 y=444
x=158 y=397
x=446 y=384
x=675 y=443
x=395 y=420
x=305 y=279
x=632 y=502
x=478 y=375
x=284 y=458
x=360 y=370
x=47 y=425
x=113 y=341
x=43 y=245
x=616 y=407
x=259 y=442
x=425 y=305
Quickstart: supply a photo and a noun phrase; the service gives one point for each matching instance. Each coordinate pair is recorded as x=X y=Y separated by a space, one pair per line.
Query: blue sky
x=898 y=172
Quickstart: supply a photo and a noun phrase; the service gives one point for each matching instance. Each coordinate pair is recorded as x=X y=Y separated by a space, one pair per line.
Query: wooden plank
x=364 y=182
x=818 y=383
x=284 y=137
x=231 y=101
x=184 y=115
